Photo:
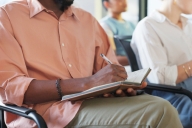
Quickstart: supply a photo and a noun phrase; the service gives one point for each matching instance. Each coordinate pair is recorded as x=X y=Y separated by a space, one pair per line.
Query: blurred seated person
x=43 y=57
x=114 y=24
x=163 y=42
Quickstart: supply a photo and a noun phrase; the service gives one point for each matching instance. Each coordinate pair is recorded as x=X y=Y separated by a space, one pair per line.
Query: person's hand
x=109 y=74
x=123 y=93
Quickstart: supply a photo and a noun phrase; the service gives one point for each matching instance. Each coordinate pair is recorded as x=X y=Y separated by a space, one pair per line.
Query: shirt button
x=70 y=65
x=63 y=44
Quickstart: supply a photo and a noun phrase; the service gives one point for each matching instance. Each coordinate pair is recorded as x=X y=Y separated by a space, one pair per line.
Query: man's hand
x=109 y=74
x=113 y=73
x=128 y=92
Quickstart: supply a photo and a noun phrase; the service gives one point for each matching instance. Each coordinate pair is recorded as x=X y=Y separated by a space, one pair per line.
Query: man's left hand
x=128 y=92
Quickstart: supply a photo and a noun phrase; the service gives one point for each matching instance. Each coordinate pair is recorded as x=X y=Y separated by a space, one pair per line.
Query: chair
x=21 y=111
x=125 y=42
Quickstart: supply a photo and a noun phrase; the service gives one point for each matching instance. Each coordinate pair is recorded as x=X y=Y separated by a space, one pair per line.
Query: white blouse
x=161 y=45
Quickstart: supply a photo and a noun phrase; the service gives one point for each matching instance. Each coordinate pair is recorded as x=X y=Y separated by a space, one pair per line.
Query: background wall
x=153 y=4
x=92 y=6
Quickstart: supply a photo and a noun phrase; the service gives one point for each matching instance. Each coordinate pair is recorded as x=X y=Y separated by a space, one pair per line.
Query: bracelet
x=186 y=71
x=190 y=71
x=59 y=88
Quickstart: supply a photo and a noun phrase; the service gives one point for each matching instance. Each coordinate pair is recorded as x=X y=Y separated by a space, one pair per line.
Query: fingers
x=118 y=78
x=120 y=93
x=108 y=95
x=131 y=92
x=122 y=74
x=128 y=92
x=143 y=85
x=118 y=67
x=120 y=71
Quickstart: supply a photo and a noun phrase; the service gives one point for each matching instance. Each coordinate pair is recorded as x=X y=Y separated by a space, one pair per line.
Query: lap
x=138 y=111
x=187 y=84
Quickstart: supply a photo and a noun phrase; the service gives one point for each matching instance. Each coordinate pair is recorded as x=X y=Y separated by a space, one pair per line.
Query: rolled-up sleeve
x=14 y=79
x=148 y=47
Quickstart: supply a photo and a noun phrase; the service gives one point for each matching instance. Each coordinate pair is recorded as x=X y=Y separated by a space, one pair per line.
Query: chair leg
x=2 y=122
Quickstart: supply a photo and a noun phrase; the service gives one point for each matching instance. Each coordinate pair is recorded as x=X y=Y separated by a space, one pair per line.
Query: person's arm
x=184 y=71
x=14 y=78
x=152 y=54
x=122 y=60
x=37 y=93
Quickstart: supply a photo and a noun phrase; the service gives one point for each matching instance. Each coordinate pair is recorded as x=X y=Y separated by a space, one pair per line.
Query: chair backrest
x=125 y=42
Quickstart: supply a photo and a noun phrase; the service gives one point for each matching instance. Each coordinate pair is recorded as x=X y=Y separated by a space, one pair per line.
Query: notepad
x=134 y=80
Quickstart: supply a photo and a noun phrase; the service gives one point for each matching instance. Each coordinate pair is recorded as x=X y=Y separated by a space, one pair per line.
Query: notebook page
x=137 y=76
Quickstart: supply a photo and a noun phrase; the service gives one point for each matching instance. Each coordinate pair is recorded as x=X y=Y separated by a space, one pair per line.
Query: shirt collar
x=159 y=17
x=36 y=7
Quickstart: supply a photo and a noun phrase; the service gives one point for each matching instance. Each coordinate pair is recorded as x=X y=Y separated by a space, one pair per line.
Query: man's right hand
x=108 y=74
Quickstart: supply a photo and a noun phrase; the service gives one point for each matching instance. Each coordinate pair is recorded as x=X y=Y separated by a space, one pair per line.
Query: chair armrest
x=24 y=112
x=169 y=88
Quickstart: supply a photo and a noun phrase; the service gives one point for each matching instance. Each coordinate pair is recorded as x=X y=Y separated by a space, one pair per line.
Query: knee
x=166 y=114
x=164 y=108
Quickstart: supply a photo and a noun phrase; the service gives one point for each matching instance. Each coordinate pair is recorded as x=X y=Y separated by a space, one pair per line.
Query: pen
x=106 y=59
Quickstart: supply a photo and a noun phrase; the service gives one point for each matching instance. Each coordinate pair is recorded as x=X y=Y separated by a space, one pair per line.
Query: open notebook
x=134 y=80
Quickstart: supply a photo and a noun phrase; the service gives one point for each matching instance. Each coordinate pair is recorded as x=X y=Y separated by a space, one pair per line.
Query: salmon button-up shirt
x=36 y=44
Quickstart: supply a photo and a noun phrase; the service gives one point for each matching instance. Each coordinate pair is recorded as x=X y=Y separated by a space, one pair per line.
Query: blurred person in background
x=163 y=42
x=114 y=24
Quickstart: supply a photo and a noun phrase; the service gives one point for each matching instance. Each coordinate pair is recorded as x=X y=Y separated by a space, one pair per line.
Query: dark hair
x=103 y=4
x=64 y=4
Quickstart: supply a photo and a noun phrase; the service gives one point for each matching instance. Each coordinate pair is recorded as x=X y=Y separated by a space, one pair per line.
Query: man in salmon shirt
x=48 y=49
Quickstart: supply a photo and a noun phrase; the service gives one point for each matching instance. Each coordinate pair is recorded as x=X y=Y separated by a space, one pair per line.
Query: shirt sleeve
x=109 y=33
x=14 y=79
x=149 y=48
x=102 y=46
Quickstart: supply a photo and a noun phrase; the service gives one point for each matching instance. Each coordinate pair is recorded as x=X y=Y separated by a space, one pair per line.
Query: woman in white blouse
x=163 y=42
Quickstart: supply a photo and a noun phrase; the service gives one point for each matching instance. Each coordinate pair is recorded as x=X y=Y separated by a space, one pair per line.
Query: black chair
x=125 y=42
x=21 y=111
